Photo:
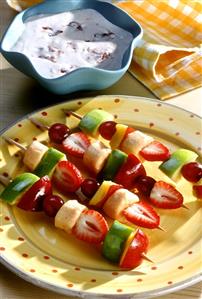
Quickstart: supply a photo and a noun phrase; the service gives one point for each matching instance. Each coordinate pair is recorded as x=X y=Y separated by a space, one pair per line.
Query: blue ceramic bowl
x=85 y=78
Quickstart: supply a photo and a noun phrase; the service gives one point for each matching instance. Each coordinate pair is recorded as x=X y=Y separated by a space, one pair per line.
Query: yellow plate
x=34 y=249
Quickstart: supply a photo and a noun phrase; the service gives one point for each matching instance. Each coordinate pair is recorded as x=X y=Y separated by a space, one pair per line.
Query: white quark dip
x=60 y=43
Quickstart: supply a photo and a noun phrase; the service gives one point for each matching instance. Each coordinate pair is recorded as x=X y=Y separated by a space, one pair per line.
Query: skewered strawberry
x=164 y=195
x=74 y=144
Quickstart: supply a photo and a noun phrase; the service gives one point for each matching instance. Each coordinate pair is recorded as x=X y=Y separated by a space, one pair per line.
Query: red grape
x=89 y=187
x=144 y=184
x=192 y=172
x=198 y=190
x=58 y=132
x=52 y=204
x=107 y=129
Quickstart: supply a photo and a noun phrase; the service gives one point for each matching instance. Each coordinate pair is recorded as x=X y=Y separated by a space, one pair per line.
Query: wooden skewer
x=146 y=258
x=185 y=207
x=4 y=180
x=11 y=141
x=161 y=228
x=69 y=112
x=38 y=124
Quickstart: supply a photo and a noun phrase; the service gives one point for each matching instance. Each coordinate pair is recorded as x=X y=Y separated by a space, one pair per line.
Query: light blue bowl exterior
x=82 y=78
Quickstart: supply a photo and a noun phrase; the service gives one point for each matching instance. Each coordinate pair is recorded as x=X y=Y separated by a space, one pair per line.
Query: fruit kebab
x=121 y=136
x=134 y=141
x=32 y=193
x=116 y=201
x=124 y=169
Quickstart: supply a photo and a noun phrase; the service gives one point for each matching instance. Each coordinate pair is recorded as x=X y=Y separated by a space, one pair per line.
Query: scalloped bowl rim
x=21 y=17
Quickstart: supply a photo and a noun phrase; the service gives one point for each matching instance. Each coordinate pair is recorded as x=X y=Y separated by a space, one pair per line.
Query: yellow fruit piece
x=118 y=136
x=127 y=245
x=101 y=193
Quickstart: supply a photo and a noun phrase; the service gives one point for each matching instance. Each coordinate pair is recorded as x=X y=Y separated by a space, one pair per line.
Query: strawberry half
x=76 y=144
x=142 y=214
x=67 y=177
x=91 y=227
x=165 y=196
x=155 y=151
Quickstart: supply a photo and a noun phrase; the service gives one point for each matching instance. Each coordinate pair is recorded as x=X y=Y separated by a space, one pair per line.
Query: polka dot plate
x=35 y=250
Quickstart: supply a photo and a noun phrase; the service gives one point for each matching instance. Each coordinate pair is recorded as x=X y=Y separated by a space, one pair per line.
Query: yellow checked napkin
x=168 y=60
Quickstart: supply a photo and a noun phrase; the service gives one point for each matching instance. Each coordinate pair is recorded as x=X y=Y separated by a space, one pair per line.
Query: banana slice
x=95 y=156
x=135 y=141
x=68 y=215
x=118 y=201
x=34 y=154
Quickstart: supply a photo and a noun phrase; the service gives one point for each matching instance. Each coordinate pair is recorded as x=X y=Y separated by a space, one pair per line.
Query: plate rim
x=86 y=294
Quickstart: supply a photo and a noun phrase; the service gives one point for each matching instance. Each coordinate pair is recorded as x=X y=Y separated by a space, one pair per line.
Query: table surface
x=20 y=95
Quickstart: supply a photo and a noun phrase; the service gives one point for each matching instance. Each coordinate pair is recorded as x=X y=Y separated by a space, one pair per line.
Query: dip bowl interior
x=84 y=78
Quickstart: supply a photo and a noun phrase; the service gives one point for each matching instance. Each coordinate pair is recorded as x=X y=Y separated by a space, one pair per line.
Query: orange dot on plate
x=19 y=125
x=170 y=282
x=70 y=285
x=46 y=257
x=93 y=280
x=136 y=110
x=180 y=267
x=139 y=280
x=1 y=230
x=7 y=218
x=116 y=100
x=44 y=113
x=119 y=290
x=54 y=271
x=25 y=255
x=32 y=270
x=21 y=239
x=77 y=269
x=2 y=248
x=115 y=273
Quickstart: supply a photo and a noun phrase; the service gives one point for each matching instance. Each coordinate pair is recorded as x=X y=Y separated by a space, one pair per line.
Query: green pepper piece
x=92 y=120
x=115 y=240
x=114 y=162
x=48 y=162
x=13 y=192
x=180 y=157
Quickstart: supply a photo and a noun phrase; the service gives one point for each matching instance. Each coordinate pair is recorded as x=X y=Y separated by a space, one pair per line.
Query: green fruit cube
x=92 y=120
x=115 y=240
x=180 y=157
x=48 y=162
x=13 y=192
